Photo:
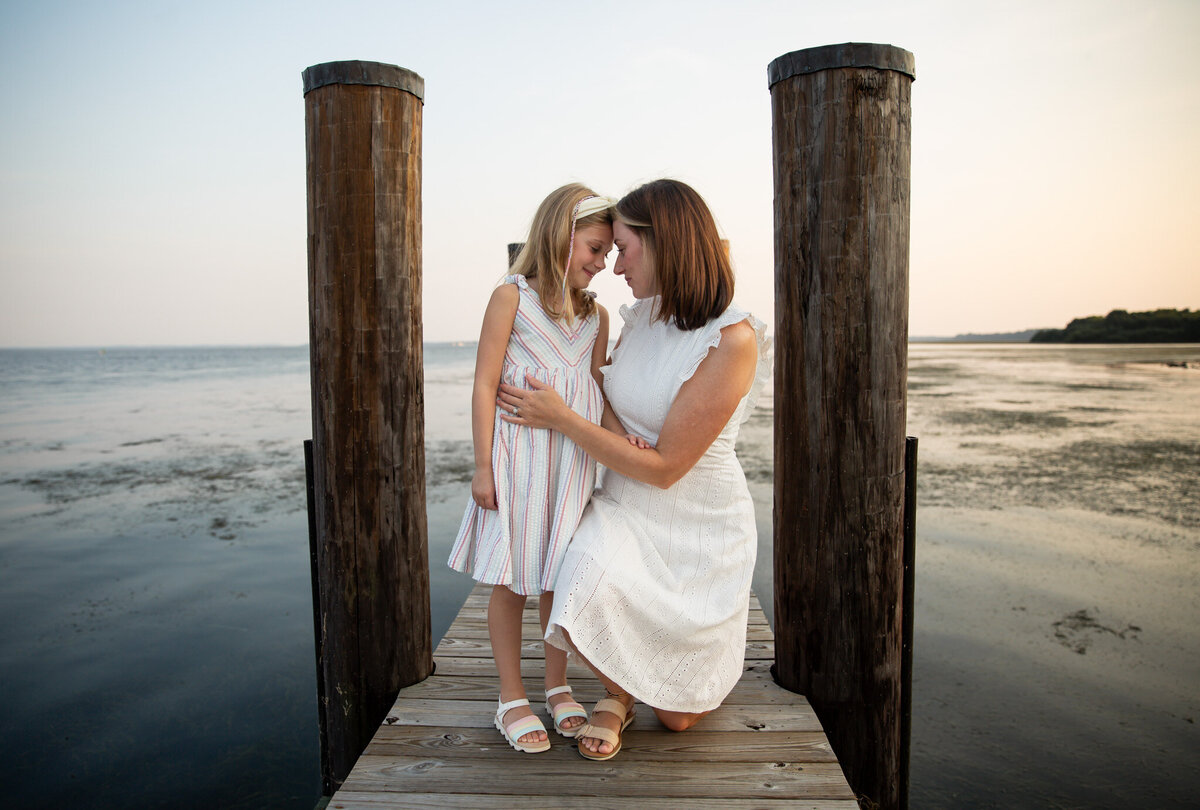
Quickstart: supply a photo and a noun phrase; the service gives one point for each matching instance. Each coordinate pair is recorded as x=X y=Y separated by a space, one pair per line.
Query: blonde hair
x=543 y=258
x=679 y=237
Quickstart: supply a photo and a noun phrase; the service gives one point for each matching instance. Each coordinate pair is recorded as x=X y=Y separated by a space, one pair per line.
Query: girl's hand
x=638 y=442
x=483 y=489
x=540 y=407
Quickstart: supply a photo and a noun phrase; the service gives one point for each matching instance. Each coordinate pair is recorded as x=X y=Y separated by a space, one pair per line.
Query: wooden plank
x=629 y=777
x=449 y=742
x=753 y=688
x=362 y=800
x=478 y=714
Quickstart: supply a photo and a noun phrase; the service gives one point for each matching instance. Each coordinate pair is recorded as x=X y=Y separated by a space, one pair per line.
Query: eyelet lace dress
x=655 y=586
x=543 y=479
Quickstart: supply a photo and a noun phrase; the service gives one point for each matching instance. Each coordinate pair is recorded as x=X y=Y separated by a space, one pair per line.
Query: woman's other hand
x=638 y=442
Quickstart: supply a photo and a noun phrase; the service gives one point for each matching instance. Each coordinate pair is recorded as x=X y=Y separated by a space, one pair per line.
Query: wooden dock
x=763 y=748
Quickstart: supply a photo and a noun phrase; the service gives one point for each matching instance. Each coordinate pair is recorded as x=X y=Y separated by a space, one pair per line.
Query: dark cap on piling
x=375 y=74
x=847 y=55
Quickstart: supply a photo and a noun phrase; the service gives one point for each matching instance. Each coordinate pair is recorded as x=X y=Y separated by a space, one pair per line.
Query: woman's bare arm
x=702 y=408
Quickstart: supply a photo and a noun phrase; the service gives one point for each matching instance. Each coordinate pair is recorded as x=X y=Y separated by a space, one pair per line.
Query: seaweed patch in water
x=189 y=479
x=990 y=420
x=1157 y=479
x=1098 y=387
x=1076 y=631
x=917 y=369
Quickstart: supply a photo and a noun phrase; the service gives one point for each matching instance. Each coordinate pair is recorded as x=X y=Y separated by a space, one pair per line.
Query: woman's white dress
x=543 y=479
x=655 y=586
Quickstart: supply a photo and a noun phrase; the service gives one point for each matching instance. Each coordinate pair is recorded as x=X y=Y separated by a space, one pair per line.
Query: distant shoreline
x=1023 y=336
x=1122 y=326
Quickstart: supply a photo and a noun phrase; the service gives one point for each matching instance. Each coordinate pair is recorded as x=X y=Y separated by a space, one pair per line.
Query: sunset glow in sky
x=152 y=177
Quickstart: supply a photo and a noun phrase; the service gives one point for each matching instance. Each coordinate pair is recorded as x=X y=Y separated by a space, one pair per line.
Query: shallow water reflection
x=155 y=551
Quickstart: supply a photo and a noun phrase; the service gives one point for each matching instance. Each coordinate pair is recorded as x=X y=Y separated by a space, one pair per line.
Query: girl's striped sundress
x=543 y=479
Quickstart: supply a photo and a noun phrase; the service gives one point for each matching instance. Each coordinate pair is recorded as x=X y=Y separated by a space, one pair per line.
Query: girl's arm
x=489 y=362
x=701 y=409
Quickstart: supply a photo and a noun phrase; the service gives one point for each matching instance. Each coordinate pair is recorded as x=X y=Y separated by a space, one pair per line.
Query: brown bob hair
x=679 y=235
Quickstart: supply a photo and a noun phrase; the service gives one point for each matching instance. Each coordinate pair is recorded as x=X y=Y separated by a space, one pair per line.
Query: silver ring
x=516 y=410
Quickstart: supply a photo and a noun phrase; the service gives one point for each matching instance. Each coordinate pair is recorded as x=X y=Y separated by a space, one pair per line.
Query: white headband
x=592 y=205
x=584 y=208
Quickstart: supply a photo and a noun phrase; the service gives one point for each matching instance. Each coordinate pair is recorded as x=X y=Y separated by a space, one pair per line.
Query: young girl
x=531 y=485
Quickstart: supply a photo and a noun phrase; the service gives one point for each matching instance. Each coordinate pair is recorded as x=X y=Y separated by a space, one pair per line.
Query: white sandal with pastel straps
x=519 y=728
x=564 y=711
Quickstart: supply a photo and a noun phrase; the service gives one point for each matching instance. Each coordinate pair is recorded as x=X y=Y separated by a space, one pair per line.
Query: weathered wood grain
x=751 y=690
x=356 y=800
x=364 y=268
x=478 y=714
x=655 y=745
x=628 y=777
x=841 y=175
x=754 y=688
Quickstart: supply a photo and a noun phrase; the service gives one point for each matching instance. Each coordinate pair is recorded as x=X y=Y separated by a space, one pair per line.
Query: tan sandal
x=609 y=736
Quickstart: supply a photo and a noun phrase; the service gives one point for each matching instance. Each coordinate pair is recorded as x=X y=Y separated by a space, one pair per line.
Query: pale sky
x=152 y=177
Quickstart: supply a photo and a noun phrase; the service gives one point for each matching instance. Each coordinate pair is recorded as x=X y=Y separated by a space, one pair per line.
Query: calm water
x=154 y=555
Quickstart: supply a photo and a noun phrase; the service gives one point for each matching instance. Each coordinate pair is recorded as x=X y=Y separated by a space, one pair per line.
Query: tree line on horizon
x=1120 y=326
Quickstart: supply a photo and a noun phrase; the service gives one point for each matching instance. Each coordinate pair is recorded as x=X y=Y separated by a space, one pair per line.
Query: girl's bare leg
x=556 y=662
x=504 y=629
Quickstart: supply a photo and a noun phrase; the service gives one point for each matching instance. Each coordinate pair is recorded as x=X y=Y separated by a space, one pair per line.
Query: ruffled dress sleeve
x=710 y=337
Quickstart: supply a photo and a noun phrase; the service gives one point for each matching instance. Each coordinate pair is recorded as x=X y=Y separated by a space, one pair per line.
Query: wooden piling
x=841 y=134
x=363 y=127
x=906 y=647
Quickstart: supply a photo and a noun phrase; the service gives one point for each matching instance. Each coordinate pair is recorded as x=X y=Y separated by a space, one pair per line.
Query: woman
x=654 y=589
